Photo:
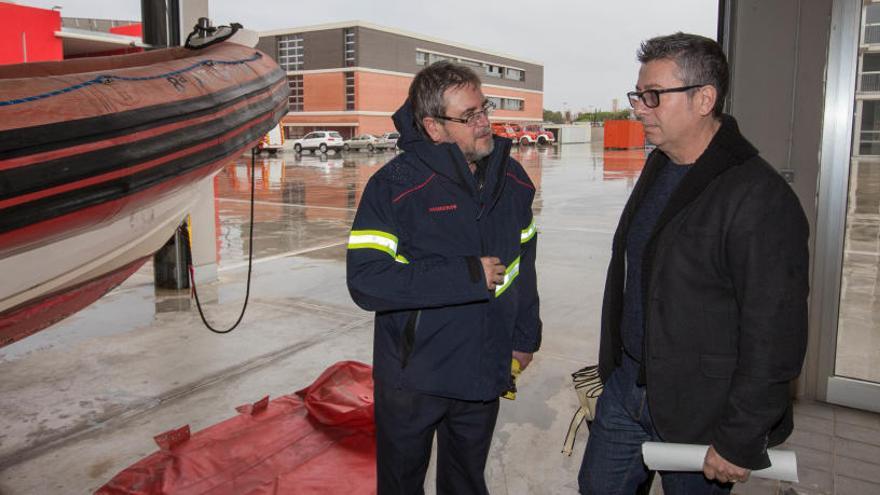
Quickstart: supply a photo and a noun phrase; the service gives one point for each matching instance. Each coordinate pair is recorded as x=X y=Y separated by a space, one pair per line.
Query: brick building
x=352 y=76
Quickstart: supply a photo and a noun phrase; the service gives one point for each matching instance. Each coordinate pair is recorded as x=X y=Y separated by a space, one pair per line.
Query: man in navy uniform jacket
x=443 y=250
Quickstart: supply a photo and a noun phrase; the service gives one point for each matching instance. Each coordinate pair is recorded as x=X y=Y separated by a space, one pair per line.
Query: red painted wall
x=36 y=27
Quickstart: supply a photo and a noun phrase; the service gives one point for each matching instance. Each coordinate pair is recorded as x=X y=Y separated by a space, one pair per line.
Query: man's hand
x=494 y=271
x=524 y=359
x=716 y=467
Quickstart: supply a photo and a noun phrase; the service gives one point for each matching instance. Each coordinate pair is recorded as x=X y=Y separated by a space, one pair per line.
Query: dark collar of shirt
x=480 y=172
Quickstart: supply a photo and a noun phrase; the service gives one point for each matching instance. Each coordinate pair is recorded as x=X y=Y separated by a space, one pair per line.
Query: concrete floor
x=82 y=400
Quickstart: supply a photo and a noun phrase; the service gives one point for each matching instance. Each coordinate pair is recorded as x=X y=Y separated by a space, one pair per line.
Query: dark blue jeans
x=613 y=460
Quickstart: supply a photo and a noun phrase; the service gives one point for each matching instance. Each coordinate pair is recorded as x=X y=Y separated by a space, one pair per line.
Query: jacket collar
x=447 y=160
x=727 y=149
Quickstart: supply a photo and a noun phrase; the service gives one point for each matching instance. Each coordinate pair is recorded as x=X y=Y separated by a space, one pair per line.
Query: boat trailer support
x=170 y=262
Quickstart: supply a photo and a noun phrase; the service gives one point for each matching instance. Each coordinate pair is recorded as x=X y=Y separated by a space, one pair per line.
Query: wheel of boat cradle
x=370 y=147
x=524 y=141
x=298 y=148
x=323 y=148
x=542 y=140
x=346 y=147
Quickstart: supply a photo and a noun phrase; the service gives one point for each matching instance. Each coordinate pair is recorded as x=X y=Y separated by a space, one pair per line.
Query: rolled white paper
x=660 y=456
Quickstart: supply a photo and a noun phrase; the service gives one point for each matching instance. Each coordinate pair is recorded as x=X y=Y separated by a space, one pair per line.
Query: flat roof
x=400 y=32
x=78 y=41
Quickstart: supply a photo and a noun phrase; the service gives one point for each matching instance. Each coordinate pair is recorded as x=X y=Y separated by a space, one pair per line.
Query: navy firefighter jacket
x=414 y=258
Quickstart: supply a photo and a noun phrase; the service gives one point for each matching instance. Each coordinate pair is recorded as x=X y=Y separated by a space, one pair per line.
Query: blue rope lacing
x=109 y=78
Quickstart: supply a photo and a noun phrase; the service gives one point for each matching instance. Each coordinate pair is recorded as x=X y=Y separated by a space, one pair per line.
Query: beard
x=481 y=150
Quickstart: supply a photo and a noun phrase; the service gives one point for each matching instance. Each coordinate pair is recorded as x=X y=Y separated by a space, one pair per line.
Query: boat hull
x=95 y=179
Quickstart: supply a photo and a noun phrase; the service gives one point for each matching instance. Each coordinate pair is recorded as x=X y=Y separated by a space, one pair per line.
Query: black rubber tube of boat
x=247 y=293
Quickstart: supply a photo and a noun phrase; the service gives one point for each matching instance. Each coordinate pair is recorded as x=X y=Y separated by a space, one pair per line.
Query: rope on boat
x=192 y=276
x=110 y=78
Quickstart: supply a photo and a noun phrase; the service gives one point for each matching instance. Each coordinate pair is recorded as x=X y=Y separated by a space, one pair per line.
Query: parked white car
x=364 y=141
x=387 y=141
x=319 y=140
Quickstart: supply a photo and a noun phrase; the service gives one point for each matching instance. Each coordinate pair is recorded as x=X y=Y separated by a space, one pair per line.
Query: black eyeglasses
x=651 y=97
x=472 y=119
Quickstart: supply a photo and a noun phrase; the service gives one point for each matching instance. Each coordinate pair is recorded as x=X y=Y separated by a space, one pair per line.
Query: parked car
x=364 y=141
x=535 y=133
x=387 y=141
x=319 y=140
x=273 y=141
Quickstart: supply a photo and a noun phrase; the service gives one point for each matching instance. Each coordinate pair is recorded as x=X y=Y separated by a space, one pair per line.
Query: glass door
x=848 y=251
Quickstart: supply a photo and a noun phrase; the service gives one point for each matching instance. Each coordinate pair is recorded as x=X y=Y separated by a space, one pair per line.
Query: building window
x=295 y=100
x=425 y=57
x=515 y=74
x=869 y=138
x=349 y=44
x=870 y=78
x=495 y=100
x=290 y=52
x=872 y=24
x=349 y=90
x=512 y=104
x=436 y=57
x=470 y=63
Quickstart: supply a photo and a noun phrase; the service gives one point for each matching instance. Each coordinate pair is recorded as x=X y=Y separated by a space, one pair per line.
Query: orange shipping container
x=624 y=134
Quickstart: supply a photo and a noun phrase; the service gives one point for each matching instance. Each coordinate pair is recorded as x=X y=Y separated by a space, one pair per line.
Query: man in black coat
x=704 y=319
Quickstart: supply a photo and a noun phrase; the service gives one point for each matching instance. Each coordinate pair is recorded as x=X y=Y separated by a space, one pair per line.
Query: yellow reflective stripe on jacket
x=509 y=276
x=401 y=259
x=373 y=239
x=528 y=232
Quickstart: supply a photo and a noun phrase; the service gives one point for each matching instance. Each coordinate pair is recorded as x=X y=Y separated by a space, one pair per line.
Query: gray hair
x=427 y=88
x=700 y=60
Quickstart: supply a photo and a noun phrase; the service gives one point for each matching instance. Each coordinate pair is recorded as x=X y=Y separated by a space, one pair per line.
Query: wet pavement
x=82 y=400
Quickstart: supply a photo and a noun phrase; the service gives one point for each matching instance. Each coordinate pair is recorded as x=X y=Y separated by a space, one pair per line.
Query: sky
x=587 y=47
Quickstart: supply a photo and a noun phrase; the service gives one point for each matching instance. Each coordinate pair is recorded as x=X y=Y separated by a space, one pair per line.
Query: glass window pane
x=872 y=14
x=871 y=62
x=858 y=332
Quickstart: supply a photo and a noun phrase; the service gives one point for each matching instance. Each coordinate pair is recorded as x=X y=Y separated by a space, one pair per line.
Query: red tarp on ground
x=318 y=441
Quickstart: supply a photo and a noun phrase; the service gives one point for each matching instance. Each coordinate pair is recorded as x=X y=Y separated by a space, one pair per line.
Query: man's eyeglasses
x=472 y=119
x=651 y=97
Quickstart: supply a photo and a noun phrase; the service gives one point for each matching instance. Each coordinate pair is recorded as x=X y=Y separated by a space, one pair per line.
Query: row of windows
x=514 y=104
x=290 y=52
x=349 y=90
x=295 y=100
x=348 y=46
x=869 y=82
x=290 y=57
x=491 y=70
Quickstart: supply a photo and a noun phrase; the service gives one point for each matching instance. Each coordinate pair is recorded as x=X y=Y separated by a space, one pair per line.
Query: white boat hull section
x=65 y=263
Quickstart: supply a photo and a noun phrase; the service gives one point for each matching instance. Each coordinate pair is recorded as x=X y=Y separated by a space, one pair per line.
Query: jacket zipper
x=409 y=337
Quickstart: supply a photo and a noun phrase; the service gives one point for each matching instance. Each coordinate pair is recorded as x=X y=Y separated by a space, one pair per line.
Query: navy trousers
x=405 y=425
x=613 y=461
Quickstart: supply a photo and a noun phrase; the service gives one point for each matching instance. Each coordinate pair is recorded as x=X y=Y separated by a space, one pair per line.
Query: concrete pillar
x=190 y=11
x=777 y=53
x=168 y=22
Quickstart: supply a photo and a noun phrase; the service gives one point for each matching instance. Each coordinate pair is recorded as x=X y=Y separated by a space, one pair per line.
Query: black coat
x=725 y=285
